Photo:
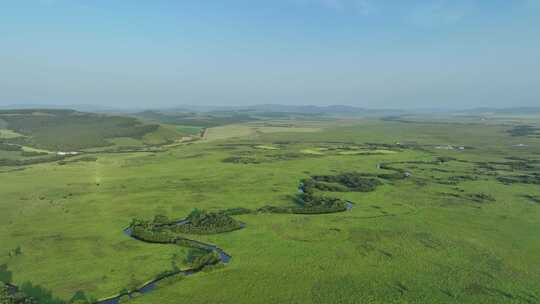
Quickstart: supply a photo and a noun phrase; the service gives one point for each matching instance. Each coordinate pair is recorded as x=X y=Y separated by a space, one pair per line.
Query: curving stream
x=151 y=285
x=224 y=257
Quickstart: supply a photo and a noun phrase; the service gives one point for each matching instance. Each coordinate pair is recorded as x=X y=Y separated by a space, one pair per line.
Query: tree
x=6 y=276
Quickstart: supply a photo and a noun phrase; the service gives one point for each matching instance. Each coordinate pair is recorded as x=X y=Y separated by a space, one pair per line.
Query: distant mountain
x=305 y=108
x=516 y=110
x=77 y=107
x=280 y=108
x=274 y=108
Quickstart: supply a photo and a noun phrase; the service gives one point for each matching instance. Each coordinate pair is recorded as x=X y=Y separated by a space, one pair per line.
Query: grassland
x=67 y=130
x=451 y=232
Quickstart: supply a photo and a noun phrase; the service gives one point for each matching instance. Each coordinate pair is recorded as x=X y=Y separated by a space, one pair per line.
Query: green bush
x=33 y=153
x=202 y=222
x=353 y=181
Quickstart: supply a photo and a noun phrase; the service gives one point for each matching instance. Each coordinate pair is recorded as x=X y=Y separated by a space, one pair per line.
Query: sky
x=366 y=53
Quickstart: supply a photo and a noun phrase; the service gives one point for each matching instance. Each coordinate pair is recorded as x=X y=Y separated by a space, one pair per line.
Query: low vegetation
x=31 y=161
x=469 y=214
x=524 y=130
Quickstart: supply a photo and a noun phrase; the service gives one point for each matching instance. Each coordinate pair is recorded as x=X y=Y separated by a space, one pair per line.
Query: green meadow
x=455 y=218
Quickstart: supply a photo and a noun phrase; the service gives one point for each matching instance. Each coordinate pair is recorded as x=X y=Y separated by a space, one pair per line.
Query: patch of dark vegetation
x=249 y=157
x=447 y=292
x=5 y=274
x=131 y=149
x=149 y=231
x=322 y=186
x=481 y=197
x=31 y=161
x=440 y=170
x=197 y=222
x=386 y=254
x=79 y=159
x=310 y=203
x=12 y=253
x=524 y=130
x=455 y=180
x=450 y=194
x=9 y=294
x=349 y=181
x=460 y=178
x=197 y=155
x=39 y=294
x=288 y=156
x=13 y=170
x=428 y=240
x=198 y=259
x=68 y=130
x=474 y=197
x=509 y=166
x=241 y=160
x=401 y=288
x=396 y=146
x=514 y=164
x=533 y=178
x=445 y=159
x=29 y=293
x=33 y=153
x=202 y=222
x=236 y=211
x=477 y=289
x=437 y=161
x=81 y=298
x=9 y=147
x=399 y=172
x=533 y=198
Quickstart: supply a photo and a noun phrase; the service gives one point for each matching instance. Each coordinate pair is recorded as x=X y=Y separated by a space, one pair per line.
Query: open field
x=252 y=130
x=442 y=225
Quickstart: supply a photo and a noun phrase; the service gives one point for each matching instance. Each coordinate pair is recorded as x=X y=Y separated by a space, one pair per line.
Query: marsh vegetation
x=467 y=214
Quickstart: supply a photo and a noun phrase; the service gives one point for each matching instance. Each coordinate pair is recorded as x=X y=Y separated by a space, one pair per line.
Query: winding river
x=150 y=286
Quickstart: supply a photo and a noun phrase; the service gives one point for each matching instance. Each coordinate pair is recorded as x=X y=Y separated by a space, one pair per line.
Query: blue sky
x=378 y=54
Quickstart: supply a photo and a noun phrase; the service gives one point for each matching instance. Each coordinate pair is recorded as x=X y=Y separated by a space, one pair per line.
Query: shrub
x=236 y=211
x=5 y=275
x=33 y=153
x=202 y=222
x=241 y=160
x=352 y=180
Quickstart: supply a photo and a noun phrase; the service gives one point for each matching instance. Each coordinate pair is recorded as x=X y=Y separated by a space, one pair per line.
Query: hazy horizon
x=371 y=54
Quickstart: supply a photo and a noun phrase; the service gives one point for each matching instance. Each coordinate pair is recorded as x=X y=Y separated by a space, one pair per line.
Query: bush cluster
x=202 y=222
x=351 y=181
x=30 y=161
